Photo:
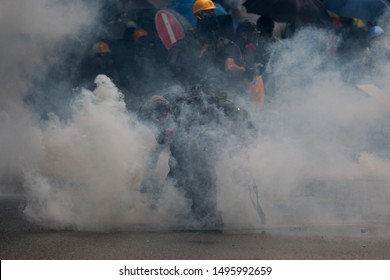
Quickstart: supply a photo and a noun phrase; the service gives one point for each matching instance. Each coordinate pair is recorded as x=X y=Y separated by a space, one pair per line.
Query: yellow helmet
x=139 y=33
x=202 y=5
x=101 y=47
x=359 y=23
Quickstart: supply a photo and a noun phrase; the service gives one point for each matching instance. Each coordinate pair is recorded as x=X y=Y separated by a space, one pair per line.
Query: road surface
x=20 y=239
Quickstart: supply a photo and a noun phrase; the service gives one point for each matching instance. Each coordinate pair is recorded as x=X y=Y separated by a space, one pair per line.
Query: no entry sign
x=169 y=27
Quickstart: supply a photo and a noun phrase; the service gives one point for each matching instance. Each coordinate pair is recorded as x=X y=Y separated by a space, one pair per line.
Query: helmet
x=202 y=5
x=375 y=31
x=101 y=47
x=139 y=33
x=358 y=23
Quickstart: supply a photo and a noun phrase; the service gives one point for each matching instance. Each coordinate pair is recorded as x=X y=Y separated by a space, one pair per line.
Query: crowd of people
x=231 y=51
x=217 y=63
x=211 y=69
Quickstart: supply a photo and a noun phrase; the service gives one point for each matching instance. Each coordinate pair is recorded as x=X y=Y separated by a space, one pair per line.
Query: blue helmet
x=375 y=31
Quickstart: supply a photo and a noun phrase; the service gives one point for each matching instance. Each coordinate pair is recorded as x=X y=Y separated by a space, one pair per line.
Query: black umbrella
x=367 y=10
x=306 y=11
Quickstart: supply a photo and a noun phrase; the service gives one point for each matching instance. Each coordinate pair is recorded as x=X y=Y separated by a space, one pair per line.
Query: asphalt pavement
x=21 y=239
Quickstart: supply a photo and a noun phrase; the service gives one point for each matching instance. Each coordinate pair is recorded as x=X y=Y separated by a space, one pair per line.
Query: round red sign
x=168 y=27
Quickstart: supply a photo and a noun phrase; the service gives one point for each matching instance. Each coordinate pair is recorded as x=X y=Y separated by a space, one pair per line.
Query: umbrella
x=367 y=10
x=307 y=11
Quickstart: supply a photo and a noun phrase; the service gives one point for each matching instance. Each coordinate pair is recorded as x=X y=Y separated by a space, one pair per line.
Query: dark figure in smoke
x=265 y=44
x=196 y=127
x=206 y=123
x=123 y=55
x=149 y=67
x=247 y=37
x=210 y=67
x=100 y=61
x=207 y=55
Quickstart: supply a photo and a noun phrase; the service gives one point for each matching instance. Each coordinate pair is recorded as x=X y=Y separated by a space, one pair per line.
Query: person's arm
x=231 y=66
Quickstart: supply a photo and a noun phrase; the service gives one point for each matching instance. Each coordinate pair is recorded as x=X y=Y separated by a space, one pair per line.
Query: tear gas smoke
x=48 y=156
x=33 y=34
x=94 y=165
x=322 y=156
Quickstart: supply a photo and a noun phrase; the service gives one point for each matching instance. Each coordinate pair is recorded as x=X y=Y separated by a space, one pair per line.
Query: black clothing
x=191 y=66
x=183 y=60
x=191 y=62
x=205 y=121
x=149 y=66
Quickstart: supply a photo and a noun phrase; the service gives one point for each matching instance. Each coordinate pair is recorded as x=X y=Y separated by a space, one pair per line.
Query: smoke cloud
x=94 y=165
x=61 y=163
x=322 y=155
x=33 y=34
x=321 y=158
